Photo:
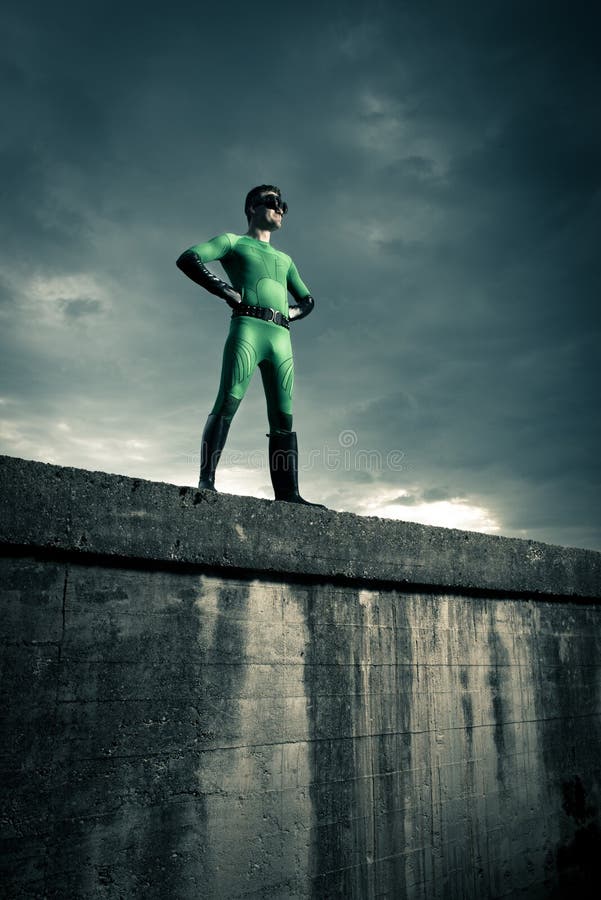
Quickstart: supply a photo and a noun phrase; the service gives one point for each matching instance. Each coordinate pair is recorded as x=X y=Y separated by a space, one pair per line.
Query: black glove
x=191 y=265
x=301 y=309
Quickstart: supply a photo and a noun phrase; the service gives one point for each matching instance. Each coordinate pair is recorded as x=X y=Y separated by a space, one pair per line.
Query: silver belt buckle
x=273 y=312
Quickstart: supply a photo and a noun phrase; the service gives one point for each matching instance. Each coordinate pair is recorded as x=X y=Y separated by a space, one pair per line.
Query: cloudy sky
x=441 y=161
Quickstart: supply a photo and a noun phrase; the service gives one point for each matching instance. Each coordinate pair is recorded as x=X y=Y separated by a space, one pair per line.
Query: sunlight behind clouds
x=453 y=513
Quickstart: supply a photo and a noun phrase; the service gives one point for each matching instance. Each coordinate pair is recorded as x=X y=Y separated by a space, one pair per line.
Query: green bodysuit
x=262 y=276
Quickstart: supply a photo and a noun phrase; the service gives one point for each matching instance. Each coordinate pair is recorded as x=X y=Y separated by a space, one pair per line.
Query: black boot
x=283 y=468
x=213 y=441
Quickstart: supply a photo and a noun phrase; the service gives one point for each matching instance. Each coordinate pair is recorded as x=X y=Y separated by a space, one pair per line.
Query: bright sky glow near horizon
x=441 y=163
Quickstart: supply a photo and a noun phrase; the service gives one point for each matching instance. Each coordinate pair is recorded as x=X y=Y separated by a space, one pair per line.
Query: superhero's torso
x=258 y=271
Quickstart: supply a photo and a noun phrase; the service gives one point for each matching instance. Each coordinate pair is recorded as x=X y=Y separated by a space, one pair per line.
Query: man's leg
x=239 y=362
x=213 y=441
x=278 y=381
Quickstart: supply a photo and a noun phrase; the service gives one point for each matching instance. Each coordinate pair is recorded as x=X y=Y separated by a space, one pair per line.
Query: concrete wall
x=220 y=697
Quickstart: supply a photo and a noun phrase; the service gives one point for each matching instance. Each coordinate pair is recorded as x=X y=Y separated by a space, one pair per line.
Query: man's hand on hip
x=233 y=298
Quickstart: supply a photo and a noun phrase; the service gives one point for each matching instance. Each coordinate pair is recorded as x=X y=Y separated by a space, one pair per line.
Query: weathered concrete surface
x=78 y=511
x=181 y=733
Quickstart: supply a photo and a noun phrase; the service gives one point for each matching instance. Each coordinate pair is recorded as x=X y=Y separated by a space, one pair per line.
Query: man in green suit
x=261 y=278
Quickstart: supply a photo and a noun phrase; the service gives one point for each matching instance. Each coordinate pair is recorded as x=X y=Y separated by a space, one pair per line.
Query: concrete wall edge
x=73 y=511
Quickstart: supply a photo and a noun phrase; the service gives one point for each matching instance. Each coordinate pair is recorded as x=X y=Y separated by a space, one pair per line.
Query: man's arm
x=301 y=309
x=192 y=264
x=299 y=290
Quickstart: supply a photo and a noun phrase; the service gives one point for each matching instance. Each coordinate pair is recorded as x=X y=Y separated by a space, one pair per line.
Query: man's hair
x=256 y=192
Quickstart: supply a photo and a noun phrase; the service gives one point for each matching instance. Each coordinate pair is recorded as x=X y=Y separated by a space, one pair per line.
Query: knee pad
x=280 y=423
x=227 y=409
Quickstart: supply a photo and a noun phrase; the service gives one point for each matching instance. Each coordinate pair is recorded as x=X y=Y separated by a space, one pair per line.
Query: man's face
x=265 y=217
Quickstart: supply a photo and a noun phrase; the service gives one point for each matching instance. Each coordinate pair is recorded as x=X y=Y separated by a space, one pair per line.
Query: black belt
x=262 y=312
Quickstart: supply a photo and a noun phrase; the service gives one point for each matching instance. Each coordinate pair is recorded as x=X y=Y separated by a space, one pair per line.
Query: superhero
x=261 y=278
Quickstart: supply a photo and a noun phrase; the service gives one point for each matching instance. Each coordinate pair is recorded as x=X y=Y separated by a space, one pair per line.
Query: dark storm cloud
x=441 y=164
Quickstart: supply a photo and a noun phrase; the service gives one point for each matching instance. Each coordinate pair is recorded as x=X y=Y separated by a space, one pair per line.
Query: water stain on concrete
x=359 y=717
x=499 y=690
